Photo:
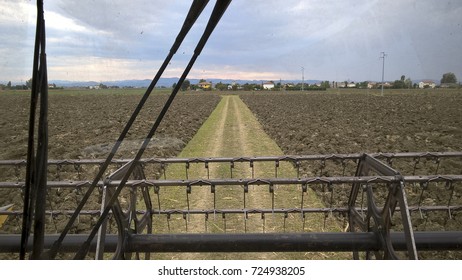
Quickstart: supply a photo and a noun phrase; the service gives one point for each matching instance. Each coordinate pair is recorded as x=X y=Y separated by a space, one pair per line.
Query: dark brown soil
x=329 y=123
x=85 y=125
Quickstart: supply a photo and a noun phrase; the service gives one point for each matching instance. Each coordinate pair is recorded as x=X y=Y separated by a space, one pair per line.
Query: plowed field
x=324 y=123
x=328 y=123
x=85 y=124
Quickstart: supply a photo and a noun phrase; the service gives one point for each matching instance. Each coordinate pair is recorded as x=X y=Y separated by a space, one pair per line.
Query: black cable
x=29 y=197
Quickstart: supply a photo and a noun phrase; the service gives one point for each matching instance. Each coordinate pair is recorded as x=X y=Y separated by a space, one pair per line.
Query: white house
x=427 y=84
x=268 y=85
x=351 y=85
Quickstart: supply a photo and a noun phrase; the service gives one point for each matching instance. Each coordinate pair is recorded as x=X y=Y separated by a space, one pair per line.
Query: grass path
x=233 y=131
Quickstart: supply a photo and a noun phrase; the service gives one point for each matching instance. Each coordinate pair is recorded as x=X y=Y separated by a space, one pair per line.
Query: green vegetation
x=449 y=78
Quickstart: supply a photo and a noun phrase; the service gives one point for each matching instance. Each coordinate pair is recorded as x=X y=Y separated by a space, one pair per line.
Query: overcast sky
x=103 y=40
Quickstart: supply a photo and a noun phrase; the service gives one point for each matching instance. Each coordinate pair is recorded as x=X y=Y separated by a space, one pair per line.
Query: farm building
x=427 y=84
x=268 y=85
x=204 y=85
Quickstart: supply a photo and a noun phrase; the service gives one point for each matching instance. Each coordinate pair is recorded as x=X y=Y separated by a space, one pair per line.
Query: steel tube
x=154 y=212
x=245 y=159
x=241 y=182
x=295 y=242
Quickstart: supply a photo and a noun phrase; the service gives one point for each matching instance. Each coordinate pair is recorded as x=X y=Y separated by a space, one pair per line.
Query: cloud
x=331 y=39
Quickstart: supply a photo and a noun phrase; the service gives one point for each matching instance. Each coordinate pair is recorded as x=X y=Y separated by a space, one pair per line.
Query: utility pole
x=303 y=76
x=382 y=56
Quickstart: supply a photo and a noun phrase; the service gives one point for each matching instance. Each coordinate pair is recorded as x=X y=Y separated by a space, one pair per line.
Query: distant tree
x=174 y=85
x=202 y=81
x=20 y=87
x=247 y=87
x=221 y=86
x=408 y=83
x=363 y=84
x=8 y=85
x=185 y=85
x=398 y=84
x=29 y=83
x=449 y=78
x=325 y=84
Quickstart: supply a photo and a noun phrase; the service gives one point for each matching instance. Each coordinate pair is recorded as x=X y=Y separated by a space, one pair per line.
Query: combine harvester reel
x=379 y=212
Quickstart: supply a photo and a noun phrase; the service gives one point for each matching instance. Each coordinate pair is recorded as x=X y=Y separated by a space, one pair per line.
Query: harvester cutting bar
x=252 y=242
x=289 y=158
x=211 y=212
x=243 y=182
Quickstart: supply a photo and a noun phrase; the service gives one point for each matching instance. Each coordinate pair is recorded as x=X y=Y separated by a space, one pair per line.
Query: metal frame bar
x=379 y=219
x=360 y=180
x=253 y=242
x=288 y=158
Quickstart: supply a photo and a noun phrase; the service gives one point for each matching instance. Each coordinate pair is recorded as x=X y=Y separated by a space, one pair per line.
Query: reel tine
x=271 y=190
x=437 y=162
x=186 y=220
x=17 y=172
x=304 y=190
x=157 y=192
x=450 y=186
x=416 y=162
x=231 y=167
x=212 y=190
x=263 y=222
x=206 y=216
x=224 y=221
x=186 y=170
x=188 y=192
x=246 y=190
x=246 y=217
x=286 y=215
x=207 y=168
x=276 y=167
